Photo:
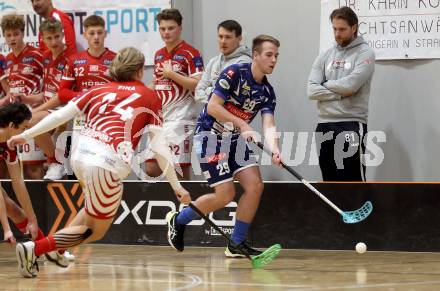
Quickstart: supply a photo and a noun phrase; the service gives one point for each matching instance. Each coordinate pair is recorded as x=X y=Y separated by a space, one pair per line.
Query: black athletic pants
x=341 y=147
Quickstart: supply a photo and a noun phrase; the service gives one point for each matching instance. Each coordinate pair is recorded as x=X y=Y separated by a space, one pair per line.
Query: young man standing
x=23 y=72
x=178 y=69
x=45 y=9
x=55 y=60
x=228 y=38
x=222 y=132
x=340 y=81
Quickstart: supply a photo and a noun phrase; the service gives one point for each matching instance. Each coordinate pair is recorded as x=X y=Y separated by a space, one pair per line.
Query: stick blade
x=358 y=215
x=266 y=257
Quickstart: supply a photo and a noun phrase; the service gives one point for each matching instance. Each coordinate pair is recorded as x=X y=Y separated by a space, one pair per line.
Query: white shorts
x=179 y=137
x=30 y=153
x=92 y=152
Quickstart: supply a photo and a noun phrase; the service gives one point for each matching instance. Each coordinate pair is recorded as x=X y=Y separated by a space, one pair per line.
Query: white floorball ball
x=361 y=248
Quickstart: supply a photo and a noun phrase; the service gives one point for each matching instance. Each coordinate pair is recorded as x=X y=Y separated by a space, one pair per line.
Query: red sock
x=22 y=227
x=40 y=234
x=45 y=245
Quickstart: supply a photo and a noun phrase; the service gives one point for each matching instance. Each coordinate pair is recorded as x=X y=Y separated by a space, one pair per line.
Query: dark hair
x=347 y=14
x=15 y=113
x=93 y=20
x=170 y=14
x=262 y=38
x=231 y=25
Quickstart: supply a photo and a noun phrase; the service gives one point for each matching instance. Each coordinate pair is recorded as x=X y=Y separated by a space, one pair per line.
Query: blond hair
x=51 y=25
x=12 y=22
x=126 y=64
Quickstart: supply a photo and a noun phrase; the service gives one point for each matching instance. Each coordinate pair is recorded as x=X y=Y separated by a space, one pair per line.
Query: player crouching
x=115 y=113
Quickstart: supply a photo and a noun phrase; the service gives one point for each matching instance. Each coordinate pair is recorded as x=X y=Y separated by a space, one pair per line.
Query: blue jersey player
x=241 y=91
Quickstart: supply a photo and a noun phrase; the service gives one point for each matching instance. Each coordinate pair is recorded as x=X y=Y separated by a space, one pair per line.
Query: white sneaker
x=69 y=256
x=58 y=259
x=55 y=171
x=27 y=261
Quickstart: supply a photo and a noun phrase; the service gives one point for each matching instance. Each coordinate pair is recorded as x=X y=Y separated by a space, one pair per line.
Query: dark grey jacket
x=215 y=66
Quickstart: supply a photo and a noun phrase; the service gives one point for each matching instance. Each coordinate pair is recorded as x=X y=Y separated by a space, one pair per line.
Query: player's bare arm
x=50 y=104
x=7 y=233
x=23 y=197
x=165 y=160
x=271 y=137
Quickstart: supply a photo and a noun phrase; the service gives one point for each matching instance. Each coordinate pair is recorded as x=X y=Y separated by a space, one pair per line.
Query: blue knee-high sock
x=240 y=231
x=186 y=216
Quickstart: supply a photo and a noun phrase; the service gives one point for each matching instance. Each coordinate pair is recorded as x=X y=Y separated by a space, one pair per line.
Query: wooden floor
x=114 y=267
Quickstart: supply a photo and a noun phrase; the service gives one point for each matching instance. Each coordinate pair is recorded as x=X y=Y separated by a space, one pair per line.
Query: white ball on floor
x=361 y=248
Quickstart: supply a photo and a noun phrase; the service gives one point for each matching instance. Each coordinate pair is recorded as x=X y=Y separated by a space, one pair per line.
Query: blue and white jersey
x=243 y=96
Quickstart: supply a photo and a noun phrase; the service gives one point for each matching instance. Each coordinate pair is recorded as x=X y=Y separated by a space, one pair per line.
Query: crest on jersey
x=230 y=73
x=177 y=67
x=27 y=70
x=245 y=89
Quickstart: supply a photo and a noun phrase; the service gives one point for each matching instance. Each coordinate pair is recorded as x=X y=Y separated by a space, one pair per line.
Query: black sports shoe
x=175 y=231
x=233 y=251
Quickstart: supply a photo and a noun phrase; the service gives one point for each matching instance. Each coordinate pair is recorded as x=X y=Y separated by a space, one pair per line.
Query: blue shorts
x=222 y=157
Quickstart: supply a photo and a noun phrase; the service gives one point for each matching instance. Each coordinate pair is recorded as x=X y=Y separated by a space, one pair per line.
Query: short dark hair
x=231 y=25
x=93 y=20
x=345 y=13
x=262 y=38
x=170 y=14
x=15 y=113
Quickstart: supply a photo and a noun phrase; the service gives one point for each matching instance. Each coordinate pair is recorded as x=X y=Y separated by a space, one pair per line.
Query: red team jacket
x=84 y=71
x=53 y=72
x=25 y=71
x=178 y=103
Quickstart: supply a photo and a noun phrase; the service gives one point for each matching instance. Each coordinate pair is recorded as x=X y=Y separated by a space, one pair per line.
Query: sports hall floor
x=115 y=267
